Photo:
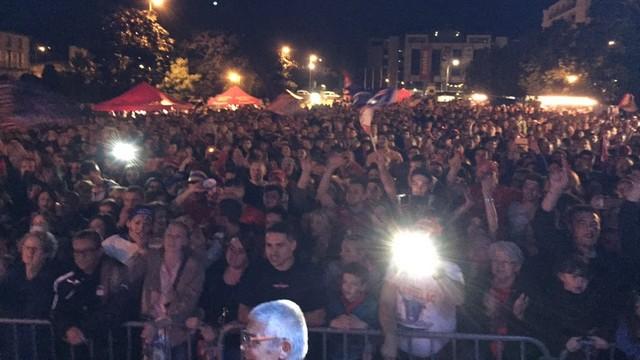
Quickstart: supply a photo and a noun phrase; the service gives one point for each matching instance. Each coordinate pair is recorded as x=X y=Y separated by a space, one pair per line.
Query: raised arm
x=323 y=195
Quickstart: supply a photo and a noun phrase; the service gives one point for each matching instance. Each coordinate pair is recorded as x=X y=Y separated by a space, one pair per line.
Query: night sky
x=336 y=29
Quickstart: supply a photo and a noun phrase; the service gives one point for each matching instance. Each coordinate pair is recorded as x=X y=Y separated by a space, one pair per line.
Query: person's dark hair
x=110 y=202
x=136 y=189
x=358 y=270
x=358 y=181
x=588 y=153
x=275 y=188
x=279 y=210
x=573 y=264
x=531 y=176
x=231 y=209
x=283 y=228
x=248 y=240
x=422 y=172
x=88 y=166
x=110 y=227
x=575 y=210
x=88 y=234
x=629 y=316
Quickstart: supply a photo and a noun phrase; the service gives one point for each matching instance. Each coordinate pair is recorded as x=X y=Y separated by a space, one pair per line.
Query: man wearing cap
x=194 y=200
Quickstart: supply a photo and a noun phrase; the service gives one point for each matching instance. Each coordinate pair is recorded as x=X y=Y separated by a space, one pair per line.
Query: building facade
x=574 y=12
x=424 y=60
x=14 y=54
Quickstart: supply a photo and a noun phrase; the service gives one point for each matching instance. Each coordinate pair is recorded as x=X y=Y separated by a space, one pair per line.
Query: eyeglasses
x=249 y=340
x=84 y=252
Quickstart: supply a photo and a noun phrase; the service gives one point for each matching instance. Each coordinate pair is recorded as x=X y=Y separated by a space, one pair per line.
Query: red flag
x=628 y=103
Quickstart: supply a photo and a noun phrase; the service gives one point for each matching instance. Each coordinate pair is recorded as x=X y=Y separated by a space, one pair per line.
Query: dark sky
x=336 y=29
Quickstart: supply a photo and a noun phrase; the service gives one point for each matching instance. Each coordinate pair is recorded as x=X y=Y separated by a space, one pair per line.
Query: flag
x=628 y=103
x=286 y=104
x=360 y=99
x=366 y=118
x=381 y=99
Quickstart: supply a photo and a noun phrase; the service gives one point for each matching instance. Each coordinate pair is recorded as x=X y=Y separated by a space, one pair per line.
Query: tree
x=134 y=47
x=603 y=54
x=178 y=80
x=212 y=54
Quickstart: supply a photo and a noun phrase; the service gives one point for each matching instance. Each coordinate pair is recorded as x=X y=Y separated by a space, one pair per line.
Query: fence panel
x=26 y=339
x=460 y=346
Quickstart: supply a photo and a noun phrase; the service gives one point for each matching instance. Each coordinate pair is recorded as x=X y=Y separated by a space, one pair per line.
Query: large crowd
x=535 y=215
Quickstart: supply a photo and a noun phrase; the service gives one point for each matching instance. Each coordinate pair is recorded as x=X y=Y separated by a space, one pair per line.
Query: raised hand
x=520 y=306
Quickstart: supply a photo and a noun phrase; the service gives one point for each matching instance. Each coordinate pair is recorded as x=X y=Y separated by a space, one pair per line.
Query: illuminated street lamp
x=234 y=77
x=285 y=51
x=572 y=78
x=155 y=3
x=454 y=63
x=313 y=58
x=42 y=48
x=611 y=43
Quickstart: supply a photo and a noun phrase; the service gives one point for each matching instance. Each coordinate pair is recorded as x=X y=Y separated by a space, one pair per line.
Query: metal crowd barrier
x=42 y=343
x=22 y=339
x=372 y=338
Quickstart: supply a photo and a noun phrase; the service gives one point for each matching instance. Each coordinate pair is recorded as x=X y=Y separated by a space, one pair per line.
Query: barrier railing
x=456 y=350
x=35 y=339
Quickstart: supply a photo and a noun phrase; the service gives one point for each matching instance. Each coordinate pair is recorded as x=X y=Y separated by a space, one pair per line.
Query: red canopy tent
x=234 y=96
x=142 y=97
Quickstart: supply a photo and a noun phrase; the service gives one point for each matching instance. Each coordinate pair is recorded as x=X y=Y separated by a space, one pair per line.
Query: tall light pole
x=455 y=63
x=312 y=66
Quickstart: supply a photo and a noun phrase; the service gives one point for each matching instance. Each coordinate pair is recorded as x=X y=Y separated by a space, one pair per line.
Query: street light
x=234 y=77
x=572 y=78
x=285 y=51
x=155 y=3
x=313 y=58
x=611 y=43
x=312 y=67
x=455 y=63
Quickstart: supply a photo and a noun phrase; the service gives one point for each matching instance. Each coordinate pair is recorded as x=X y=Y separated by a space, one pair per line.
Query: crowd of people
x=535 y=215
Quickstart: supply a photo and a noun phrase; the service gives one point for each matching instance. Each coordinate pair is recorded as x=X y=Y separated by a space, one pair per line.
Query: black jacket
x=91 y=302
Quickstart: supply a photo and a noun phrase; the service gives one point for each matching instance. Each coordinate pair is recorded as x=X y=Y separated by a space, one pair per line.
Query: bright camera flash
x=124 y=151
x=415 y=254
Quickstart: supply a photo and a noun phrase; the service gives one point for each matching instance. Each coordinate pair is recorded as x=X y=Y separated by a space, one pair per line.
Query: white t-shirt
x=422 y=305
